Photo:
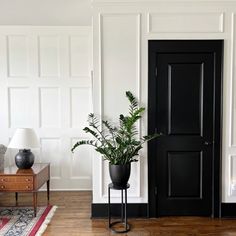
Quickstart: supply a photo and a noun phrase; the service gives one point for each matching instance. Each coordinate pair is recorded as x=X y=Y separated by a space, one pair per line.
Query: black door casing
x=184 y=104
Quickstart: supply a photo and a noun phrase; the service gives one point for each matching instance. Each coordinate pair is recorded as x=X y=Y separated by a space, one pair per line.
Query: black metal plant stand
x=123 y=219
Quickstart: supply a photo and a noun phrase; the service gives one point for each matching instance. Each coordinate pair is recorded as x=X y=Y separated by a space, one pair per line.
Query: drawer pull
x=2 y=180
x=27 y=187
x=2 y=187
x=27 y=180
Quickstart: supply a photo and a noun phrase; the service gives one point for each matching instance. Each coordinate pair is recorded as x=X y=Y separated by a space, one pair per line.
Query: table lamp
x=24 y=139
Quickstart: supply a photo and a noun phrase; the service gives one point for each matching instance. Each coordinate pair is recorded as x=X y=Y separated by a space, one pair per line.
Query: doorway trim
x=217 y=132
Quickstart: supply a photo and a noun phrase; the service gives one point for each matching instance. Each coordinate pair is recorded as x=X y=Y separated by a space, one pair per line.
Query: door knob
x=207 y=143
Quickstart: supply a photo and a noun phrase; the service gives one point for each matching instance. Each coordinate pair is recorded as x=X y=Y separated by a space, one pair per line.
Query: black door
x=184 y=105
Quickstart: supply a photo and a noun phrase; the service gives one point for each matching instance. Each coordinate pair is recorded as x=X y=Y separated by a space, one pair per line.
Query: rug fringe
x=46 y=221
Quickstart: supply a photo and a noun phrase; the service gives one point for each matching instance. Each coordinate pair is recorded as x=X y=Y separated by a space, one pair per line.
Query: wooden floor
x=73 y=218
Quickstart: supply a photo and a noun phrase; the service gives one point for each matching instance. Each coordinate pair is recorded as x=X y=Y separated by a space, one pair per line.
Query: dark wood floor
x=73 y=218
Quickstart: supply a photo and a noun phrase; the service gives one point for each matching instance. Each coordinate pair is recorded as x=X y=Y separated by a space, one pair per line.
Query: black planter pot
x=119 y=174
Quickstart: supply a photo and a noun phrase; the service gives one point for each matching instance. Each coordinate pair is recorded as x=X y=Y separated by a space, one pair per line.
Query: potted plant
x=120 y=144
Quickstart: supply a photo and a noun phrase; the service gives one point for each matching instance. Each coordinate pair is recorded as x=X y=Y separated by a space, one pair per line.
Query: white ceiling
x=45 y=12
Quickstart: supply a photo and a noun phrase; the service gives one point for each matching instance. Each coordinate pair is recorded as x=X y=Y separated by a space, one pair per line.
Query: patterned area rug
x=20 y=221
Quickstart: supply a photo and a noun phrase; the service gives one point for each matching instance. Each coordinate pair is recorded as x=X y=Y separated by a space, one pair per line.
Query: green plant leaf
x=117 y=144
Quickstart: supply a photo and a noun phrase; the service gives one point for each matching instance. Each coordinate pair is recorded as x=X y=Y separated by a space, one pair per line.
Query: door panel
x=184 y=119
x=177 y=178
x=181 y=107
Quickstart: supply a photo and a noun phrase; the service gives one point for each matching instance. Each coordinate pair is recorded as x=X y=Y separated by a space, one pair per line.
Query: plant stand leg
x=123 y=216
x=125 y=208
x=109 y=208
x=122 y=207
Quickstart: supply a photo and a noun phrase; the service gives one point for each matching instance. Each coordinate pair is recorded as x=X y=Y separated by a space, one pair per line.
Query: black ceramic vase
x=24 y=159
x=119 y=174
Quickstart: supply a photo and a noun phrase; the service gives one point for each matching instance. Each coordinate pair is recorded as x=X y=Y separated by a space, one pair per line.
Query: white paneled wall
x=45 y=83
x=121 y=31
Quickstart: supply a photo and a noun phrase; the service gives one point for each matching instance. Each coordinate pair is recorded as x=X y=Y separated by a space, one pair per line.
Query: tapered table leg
x=35 y=196
x=48 y=191
x=16 y=195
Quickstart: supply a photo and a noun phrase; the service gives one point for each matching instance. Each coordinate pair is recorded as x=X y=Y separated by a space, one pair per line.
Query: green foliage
x=118 y=145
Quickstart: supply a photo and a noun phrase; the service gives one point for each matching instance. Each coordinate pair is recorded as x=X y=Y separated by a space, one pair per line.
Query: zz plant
x=120 y=144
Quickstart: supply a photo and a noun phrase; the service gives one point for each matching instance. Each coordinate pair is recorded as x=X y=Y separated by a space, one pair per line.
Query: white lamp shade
x=24 y=138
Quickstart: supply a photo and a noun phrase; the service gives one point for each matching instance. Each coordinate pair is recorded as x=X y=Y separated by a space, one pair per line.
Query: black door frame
x=154 y=47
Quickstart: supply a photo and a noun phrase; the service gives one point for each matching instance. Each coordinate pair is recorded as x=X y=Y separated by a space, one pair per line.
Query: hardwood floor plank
x=72 y=218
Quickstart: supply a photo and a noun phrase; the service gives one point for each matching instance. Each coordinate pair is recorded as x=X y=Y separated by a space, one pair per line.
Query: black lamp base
x=24 y=159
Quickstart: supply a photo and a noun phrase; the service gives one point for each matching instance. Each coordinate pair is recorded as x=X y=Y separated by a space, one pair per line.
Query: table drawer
x=18 y=179
x=16 y=186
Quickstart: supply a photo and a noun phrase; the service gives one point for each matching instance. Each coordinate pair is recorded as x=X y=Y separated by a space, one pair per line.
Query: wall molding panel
x=48 y=51
x=232 y=176
x=185 y=22
x=232 y=135
x=83 y=159
x=229 y=147
x=17 y=56
x=130 y=52
x=18 y=107
x=49 y=97
x=78 y=109
x=79 y=55
x=46 y=84
x=50 y=148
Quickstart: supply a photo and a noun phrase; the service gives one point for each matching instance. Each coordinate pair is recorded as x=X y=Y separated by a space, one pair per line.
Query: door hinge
x=155 y=190
x=156 y=71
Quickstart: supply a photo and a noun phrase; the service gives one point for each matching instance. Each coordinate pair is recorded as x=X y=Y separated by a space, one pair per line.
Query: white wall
x=121 y=33
x=45 y=83
x=46 y=12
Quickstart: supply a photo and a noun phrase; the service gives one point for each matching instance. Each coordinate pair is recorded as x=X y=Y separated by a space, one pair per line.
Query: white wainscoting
x=121 y=31
x=45 y=83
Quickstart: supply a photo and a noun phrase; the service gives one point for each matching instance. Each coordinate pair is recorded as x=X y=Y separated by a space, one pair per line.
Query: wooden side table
x=30 y=180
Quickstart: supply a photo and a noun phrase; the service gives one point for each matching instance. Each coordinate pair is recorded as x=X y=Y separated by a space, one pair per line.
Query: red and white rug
x=20 y=221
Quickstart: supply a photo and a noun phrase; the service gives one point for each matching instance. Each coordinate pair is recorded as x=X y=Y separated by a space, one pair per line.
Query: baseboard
x=228 y=210
x=134 y=210
x=140 y=210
